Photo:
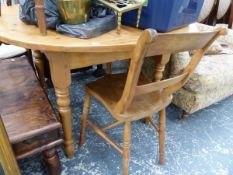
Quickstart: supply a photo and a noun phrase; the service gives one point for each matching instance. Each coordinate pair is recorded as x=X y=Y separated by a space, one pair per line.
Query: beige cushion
x=214 y=49
x=218 y=48
x=226 y=40
x=8 y=51
x=213 y=72
x=178 y=62
x=191 y=102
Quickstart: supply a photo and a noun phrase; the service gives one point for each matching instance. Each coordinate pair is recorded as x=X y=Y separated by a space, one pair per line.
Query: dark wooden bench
x=30 y=121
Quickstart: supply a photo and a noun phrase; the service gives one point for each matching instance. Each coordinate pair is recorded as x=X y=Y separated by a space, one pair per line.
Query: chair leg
x=126 y=148
x=52 y=162
x=162 y=124
x=86 y=108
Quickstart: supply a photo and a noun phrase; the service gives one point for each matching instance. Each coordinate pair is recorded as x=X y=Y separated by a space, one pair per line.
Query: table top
x=14 y=31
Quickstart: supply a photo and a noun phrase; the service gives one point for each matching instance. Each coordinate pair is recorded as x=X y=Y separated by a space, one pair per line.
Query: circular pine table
x=65 y=53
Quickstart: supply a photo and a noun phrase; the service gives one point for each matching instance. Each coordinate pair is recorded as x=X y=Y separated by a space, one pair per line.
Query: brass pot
x=74 y=11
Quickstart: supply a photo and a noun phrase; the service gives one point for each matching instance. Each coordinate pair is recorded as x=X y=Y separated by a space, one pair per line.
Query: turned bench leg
x=52 y=162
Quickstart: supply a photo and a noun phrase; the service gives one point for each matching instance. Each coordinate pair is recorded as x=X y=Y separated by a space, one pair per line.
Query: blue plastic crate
x=165 y=15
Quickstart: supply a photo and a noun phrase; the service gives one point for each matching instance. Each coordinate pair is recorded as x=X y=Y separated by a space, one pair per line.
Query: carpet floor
x=201 y=144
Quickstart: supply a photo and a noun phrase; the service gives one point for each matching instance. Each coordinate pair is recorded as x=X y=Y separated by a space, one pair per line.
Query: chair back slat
x=174 y=43
x=152 y=44
x=156 y=86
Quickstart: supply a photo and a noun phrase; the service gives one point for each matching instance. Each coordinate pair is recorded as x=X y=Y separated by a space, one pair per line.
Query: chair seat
x=25 y=109
x=109 y=89
x=8 y=51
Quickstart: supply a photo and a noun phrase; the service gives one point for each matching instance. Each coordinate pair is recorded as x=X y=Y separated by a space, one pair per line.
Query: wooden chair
x=8 y=162
x=30 y=121
x=130 y=97
x=11 y=51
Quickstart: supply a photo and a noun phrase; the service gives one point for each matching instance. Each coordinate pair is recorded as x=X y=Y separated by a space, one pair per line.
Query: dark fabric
x=101 y=19
x=94 y=27
x=28 y=12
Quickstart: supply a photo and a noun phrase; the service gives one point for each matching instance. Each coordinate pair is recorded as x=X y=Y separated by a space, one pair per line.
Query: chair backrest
x=39 y=4
x=7 y=160
x=151 y=44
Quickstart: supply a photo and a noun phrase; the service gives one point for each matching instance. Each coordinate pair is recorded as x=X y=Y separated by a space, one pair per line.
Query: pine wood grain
x=66 y=53
x=27 y=36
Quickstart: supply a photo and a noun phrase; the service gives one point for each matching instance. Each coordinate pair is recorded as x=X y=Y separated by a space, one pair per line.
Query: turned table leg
x=160 y=63
x=63 y=102
x=61 y=77
x=39 y=64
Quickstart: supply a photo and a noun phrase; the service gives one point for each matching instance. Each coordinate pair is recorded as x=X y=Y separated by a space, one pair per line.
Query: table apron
x=79 y=60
